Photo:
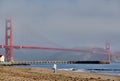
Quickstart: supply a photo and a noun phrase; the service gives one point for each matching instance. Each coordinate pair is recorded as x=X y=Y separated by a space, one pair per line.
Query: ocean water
x=109 y=69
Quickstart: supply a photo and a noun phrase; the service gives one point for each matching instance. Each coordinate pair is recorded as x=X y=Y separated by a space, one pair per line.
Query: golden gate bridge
x=9 y=46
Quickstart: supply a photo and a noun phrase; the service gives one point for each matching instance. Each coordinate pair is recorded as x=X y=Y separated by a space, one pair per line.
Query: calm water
x=111 y=69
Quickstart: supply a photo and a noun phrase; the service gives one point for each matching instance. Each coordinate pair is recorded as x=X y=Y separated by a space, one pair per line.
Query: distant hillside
x=115 y=58
x=78 y=56
x=63 y=55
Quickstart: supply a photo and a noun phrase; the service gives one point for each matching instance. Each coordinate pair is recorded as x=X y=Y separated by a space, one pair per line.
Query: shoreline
x=97 y=71
x=94 y=73
x=42 y=74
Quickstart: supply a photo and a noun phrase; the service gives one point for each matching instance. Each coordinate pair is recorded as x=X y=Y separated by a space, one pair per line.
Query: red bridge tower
x=108 y=50
x=9 y=41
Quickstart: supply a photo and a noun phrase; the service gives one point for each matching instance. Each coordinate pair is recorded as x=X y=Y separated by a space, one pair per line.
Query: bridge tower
x=108 y=50
x=8 y=41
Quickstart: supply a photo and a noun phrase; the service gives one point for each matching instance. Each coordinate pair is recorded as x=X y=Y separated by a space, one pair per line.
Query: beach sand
x=40 y=74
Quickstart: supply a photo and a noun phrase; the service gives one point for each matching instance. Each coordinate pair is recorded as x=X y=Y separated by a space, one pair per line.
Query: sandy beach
x=40 y=74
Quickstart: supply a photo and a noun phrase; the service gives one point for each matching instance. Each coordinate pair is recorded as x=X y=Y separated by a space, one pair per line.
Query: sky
x=62 y=23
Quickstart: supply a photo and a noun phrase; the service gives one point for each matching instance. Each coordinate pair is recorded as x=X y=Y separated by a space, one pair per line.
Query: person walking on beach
x=54 y=68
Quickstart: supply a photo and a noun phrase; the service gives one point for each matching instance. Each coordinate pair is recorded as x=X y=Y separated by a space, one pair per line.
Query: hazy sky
x=62 y=23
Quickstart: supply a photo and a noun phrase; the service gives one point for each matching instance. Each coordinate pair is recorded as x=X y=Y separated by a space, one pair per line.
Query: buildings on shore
x=2 y=58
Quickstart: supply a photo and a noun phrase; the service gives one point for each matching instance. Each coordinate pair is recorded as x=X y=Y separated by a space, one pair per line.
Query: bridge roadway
x=60 y=49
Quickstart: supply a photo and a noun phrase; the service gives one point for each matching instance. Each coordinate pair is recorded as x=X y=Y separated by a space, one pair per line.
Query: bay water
x=109 y=69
